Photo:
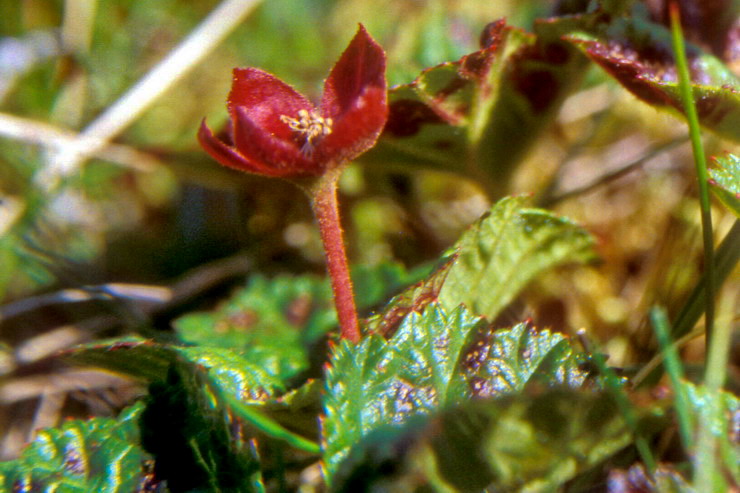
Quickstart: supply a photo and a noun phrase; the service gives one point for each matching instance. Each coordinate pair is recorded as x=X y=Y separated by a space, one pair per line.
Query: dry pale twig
x=55 y=138
x=146 y=297
x=201 y=41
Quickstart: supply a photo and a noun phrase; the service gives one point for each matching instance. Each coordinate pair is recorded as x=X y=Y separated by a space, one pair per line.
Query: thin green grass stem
x=684 y=327
x=675 y=373
x=700 y=160
x=706 y=471
x=726 y=258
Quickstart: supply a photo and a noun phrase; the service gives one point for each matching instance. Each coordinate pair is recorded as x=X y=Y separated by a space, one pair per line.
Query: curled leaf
x=638 y=54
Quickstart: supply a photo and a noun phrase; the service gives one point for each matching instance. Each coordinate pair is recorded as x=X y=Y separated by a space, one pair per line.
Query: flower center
x=310 y=126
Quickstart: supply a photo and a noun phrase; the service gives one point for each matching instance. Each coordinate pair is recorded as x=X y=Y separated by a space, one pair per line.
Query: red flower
x=276 y=131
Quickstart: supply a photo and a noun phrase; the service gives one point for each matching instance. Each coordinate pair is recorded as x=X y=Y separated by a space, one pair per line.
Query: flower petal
x=361 y=66
x=224 y=154
x=357 y=129
x=266 y=98
x=257 y=144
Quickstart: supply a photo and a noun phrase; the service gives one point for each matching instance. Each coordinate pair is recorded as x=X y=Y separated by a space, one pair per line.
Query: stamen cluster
x=310 y=126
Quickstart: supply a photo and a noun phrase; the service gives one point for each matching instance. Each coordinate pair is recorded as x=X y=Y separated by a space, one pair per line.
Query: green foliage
x=151 y=361
x=412 y=299
x=502 y=361
x=716 y=467
x=292 y=405
x=726 y=180
x=638 y=55
x=500 y=254
x=235 y=380
x=101 y=454
x=268 y=322
x=434 y=359
x=190 y=433
x=374 y=283
x=726 y=259
x=493 y=261
x=297 y=409
x=272 y=323
x=136 y=357
x=231 y=373
x=249 y=364
x=467 y=116
x=720 y=413
x=530 y=441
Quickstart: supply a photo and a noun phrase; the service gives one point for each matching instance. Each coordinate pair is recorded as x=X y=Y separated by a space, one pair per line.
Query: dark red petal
x=361 y=66
x=357 y=129
x=283 y=158
x=223 y=153
x=266 y=98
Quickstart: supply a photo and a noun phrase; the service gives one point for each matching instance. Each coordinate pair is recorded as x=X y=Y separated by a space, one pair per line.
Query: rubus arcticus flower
x=276 y=131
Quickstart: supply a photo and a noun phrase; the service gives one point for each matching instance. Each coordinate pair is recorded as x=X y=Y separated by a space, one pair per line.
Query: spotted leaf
x=435 y=359
x=101 y=454
x=638 y=54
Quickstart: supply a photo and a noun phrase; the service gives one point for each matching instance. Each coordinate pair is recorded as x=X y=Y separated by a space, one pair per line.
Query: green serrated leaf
x=270 y=323
x=505 y=250
x=503 y=361
x=369 y=385
x=532 y=441
x=101 y=454
x=232 y=374
x=150 y=361
x=266 y=322
x=434 y=359
x=237 y=381
x=725 y=178
x=186 y=426
x=139 y=358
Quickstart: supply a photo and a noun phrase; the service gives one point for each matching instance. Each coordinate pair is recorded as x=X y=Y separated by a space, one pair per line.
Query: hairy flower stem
x=323 y=195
